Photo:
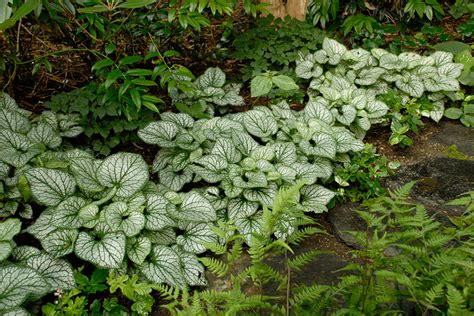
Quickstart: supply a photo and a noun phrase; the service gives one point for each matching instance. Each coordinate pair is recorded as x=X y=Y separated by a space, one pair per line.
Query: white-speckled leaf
x=50 y=186
x=126 y=172
x=107 y=252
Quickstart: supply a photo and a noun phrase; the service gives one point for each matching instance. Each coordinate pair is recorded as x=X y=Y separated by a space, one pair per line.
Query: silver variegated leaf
x=118 y=216
x=225 y=148
x=441 y=84
x=441 y=58
x=49 y=186
x=369 y=76
x=9 y=228
x=16 y=311
x=175 y=180
x=307 y=69
x=66 y=214
x=195 y=234
x=306 y=172
x=17 y=283
x=411 y=85
x=193 y=270
x=156 y=214
x=138 y=249
x=450 y=70
x=5 y=249
x=57 y=273
x=161 y=133
x=319 y=109
x=345 y=141
x=107 y=251
x=334 y=50
x=24 y=252
x=85 y=171
x=44 y=134
x=14 y=121
x=238 y=208
x=321 y=144
x=212 y=77
x=125 y=172
x=60 y=242
x=265 y=196
x=243 y=142
x=164 y=267
x=166 y=236
x=183 y=120
x=315 y=198
x=376 y=109
x=250 y=226
x=42 y=226
x=285 y=153
x=195 y=208
x=250 y=180
x=259 y=124
x=348 y=114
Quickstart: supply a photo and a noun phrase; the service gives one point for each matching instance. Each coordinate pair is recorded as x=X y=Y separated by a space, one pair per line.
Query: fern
x=298 y=262
x=216 y=266
x=456 y=302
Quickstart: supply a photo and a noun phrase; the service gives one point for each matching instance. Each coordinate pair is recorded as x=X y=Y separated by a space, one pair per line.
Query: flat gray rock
x=451 y=133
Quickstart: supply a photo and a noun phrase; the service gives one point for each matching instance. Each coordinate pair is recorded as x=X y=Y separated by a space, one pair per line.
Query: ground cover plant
x=122 y=191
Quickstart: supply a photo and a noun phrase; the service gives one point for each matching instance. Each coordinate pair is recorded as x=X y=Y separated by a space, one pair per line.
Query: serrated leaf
x=118 y=216
x=195 y=208
x=49 y=186
x=194 y=236
x=161 y=133
x=17 y=283
x=126 y=172
x=164 y=267
x=57 y=273
x=85 y=171
x=60 y=242
x=9 y=228
x=156 y=214
x=138 y=249
x=105 y=251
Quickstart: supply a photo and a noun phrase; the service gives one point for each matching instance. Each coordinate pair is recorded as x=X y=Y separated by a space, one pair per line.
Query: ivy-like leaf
x=50 y=186
x=105 y=251
x=125 y=172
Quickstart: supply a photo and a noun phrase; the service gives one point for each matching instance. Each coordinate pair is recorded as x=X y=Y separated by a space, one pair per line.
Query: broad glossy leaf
x=60 y=242
x=194 y=235
x=138 y=249
x=17 y=283
x=120 y=218
x=156 y=214
x=164 y=267
x=195 y=208
x=161 y=133
x=126 y=172
x=50 y=186
x=107 y=251
x=57 y=273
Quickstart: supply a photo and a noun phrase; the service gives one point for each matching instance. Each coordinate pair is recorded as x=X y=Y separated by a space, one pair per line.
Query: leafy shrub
x=273 y=45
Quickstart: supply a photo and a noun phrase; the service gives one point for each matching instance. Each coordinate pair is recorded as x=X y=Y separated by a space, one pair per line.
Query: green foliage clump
x=274 y=45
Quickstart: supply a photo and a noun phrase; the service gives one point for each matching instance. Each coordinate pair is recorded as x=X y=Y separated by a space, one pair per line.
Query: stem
x=109 y=196
x=288 y=284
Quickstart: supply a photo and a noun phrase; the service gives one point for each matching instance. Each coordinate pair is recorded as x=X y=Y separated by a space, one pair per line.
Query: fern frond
x=167 y=291
x=235 y=252
x=216 y=248
x=413 y=249
x=308 y=293
x=301 y=234
x=456 y=302
x=403 y=193
x=298 y=262
x=216 y=266
x=433 y=294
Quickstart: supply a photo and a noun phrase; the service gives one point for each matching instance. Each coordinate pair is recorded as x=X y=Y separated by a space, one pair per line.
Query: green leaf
x=102 y=64
x=21 y=12
x=160 y=133
x=454 y=47
x=156 y=214
x=259 y=124
x=49 y=186
x=14 y=121
x=126 y=172
x=284 y=82
x=260 y=85
x=5 y=250
x=60 y=242
x=453 y=113
x=107 y=251
x=144 y=82
x=17 y=283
